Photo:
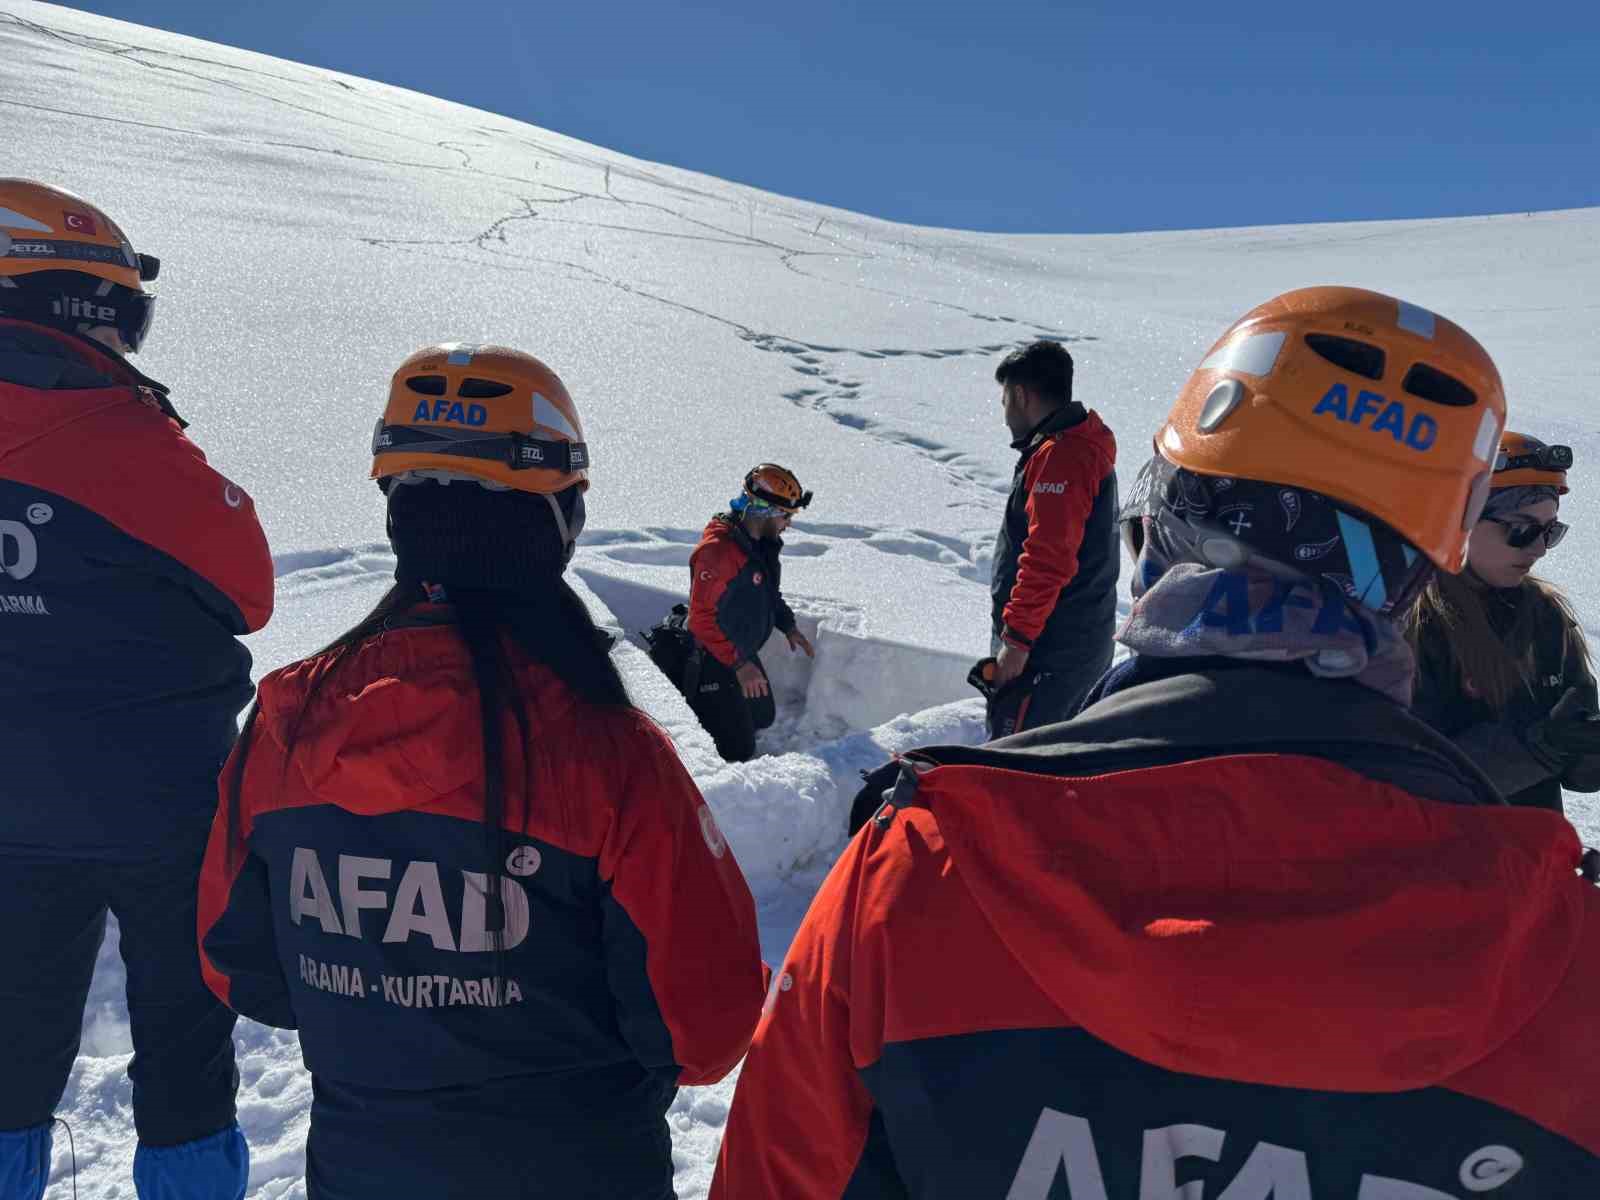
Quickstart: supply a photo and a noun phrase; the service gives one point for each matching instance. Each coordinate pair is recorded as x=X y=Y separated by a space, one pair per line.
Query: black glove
x=1570 y=732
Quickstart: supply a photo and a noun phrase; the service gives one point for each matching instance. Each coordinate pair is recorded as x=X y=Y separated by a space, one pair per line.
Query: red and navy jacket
x=1054 y=581
x=735 y=599
x=1240 y=931
x=346 y=898
x=127 y=569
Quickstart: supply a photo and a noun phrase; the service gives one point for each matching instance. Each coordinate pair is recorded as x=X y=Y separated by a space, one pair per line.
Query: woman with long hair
x=1503 y=668
x=454 y=856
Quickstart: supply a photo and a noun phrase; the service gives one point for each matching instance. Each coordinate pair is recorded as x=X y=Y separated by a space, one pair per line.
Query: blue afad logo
x=1419 y=432
x=451 y=410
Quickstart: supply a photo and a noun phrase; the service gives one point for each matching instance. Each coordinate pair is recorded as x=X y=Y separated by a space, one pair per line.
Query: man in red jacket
x=128 y=568
x=1054 y=584
x=735 y=602
x=1244 y=926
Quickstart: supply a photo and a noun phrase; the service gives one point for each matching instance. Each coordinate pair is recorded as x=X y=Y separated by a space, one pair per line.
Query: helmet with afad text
x=1382 y=407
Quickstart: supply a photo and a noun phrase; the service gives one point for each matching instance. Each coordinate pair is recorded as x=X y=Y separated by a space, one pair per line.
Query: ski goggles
x=1522 y=534
x=136 y=312
x=1545 y=458
x=760 y=508
x=760 y=495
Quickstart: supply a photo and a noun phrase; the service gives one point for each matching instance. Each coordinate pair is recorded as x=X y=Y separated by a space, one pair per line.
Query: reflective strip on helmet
x=12 y=219
x=1417 y=320
x=1253 y=355
x=547 y=414
x=1488 y=436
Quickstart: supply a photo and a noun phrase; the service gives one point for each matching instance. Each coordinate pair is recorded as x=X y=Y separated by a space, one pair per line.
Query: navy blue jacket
x=127 y=569
x=344 y=894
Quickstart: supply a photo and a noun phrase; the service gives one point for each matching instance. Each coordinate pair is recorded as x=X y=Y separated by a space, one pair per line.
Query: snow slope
x=317 y=227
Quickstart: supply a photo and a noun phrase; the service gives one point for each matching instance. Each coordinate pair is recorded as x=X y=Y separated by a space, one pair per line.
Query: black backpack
x=672 y=646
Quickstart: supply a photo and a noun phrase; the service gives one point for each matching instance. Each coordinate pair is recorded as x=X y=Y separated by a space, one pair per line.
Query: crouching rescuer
x=735 y=602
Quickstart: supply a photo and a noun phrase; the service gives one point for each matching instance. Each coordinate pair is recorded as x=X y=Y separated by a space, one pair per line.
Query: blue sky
x=1012 y=116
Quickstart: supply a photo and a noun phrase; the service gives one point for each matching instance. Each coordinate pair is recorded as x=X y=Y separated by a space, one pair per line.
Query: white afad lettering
x=305 y=872
x=352 y=896
x=19 y=550
x=418 y=905
x=475 y=933
x=1158 y=1173
x=1063 y=1142
x=421 y=881
x=1059 y=1140
x=1274 y=1171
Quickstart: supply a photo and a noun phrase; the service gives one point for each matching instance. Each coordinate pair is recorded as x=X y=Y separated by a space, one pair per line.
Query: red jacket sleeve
x=213 y=530
x=165 y=495
x=1062 y=479
x=683 y=954
x=238 y=946
x=712 y=568
x=801 y=1114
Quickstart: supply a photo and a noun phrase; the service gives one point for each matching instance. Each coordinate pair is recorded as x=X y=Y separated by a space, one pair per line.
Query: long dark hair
x=551 y=626
x=1452 y=623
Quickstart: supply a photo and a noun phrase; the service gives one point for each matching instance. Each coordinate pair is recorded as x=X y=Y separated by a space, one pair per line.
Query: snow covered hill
x=316 y=228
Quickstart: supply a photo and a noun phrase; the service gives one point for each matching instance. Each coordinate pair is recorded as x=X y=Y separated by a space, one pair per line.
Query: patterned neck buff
x=1292 y=588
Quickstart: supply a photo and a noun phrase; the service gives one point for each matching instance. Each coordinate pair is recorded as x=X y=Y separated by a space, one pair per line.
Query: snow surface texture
x=316 y=228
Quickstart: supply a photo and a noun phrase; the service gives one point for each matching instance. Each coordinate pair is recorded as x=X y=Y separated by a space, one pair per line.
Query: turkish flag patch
x=80 y=223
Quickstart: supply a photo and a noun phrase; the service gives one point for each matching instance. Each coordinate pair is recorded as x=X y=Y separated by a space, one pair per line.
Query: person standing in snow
x=452 y=853
x=735 y=602
x=1244 y=924
x=1055 y=559
x=1503 y=666
x=128 y=568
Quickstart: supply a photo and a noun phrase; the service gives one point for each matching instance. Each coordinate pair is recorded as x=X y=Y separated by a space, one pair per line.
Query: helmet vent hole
x=1429 y=383
x=1359 y=358
x=427 y=385
x=483 y=389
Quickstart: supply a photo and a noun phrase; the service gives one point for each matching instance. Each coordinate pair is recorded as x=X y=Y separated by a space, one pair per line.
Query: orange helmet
x=496 y=414
x=1525 y=461
x=64 y=262
x=776 y=487
x=1373 y=402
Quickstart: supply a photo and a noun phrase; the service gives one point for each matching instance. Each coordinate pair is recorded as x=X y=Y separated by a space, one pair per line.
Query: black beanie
x=462 y=534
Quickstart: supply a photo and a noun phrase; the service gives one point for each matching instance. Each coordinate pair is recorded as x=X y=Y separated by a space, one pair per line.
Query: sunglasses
x=1522 y=534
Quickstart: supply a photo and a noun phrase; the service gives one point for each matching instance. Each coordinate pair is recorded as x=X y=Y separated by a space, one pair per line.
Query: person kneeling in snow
x=455 y=856
x=735 y=602
x=1244 y=923
x=128 y=568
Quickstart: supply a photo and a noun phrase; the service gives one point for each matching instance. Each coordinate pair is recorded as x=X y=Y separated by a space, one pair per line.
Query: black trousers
x=52 y=920
x=1043 y=696
x=719 y=702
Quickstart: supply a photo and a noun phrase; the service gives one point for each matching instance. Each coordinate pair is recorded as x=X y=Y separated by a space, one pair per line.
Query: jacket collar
x=46 y=359
x=1069 y=414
